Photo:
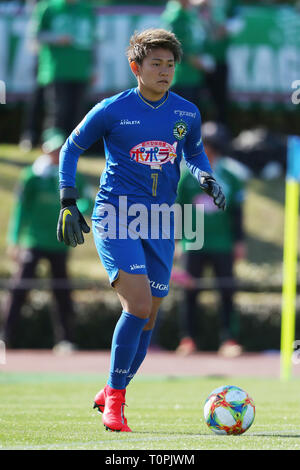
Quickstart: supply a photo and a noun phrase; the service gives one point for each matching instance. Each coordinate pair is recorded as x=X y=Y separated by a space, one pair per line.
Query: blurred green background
x=97 y=307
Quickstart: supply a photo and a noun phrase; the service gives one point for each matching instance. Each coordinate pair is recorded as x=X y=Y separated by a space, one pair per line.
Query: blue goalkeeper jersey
x=144 y=143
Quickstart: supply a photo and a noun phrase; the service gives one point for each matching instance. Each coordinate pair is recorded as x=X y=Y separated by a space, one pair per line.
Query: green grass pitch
x=54 y=412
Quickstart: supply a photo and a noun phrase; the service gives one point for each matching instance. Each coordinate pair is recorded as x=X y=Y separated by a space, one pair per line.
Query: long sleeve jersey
x=144 y=143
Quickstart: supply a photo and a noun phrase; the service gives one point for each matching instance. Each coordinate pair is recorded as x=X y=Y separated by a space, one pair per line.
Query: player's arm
x=198 y=164
x=71 y=223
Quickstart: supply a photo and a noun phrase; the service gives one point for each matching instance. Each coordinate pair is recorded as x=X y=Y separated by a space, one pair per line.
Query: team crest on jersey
x=154 y=153
x=180 y=130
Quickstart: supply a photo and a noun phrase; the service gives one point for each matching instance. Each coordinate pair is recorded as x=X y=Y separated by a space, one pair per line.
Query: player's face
x=156 y=73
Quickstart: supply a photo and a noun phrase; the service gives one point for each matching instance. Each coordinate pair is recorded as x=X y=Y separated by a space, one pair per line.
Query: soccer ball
x=229 y=410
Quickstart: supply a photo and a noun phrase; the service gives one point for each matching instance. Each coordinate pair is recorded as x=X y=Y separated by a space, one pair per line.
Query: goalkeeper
x=146 y=131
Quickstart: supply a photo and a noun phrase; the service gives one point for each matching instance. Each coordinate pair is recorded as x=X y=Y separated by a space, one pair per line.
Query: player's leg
x=63 y=320
x=159 y=257
x=125 y=264
x=144 y=340
x=135 y=296
x=223 y=266
x=27 y=264
x=134 y=293
x=143 y=298
x=193 y=262
x=129 y=345
x=141 y=352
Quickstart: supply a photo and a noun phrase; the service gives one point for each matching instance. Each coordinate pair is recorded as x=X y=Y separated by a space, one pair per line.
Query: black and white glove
x=213 y=189
x=71 y=222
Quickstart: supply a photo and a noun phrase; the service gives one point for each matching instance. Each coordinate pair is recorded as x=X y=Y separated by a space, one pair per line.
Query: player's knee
x=142 y=308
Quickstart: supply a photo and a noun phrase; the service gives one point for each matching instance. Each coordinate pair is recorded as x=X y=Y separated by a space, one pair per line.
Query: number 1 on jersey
x=154 y=176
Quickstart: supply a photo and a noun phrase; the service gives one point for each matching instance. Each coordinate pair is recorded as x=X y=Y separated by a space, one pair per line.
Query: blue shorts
x=137 y=256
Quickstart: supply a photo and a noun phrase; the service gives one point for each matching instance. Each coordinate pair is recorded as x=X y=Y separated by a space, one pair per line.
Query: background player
x=224 y=242
x=146 y=130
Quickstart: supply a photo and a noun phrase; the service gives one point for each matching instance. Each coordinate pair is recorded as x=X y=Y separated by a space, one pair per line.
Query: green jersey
x=185 y=24
x=73 y=62
x=219 y=232
x=34 y=218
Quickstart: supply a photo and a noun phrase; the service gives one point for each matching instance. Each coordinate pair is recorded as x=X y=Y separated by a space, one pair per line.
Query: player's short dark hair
x=142 y=43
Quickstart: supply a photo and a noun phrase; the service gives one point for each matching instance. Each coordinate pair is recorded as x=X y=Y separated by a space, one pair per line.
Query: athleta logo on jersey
x=127 y=122
x=154 y=153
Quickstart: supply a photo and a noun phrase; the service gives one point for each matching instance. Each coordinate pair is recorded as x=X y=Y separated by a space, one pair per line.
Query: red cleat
x=111 y=402
x=99 y=400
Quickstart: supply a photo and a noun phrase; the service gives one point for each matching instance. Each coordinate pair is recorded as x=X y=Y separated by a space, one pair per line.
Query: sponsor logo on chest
x=154 y=153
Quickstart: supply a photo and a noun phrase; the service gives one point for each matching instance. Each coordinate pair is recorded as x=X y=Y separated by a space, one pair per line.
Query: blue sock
x=140 y=354
x=125 y=343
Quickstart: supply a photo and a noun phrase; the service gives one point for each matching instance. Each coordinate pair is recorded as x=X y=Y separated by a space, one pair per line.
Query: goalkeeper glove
x=213 y=189
x=71 y=222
